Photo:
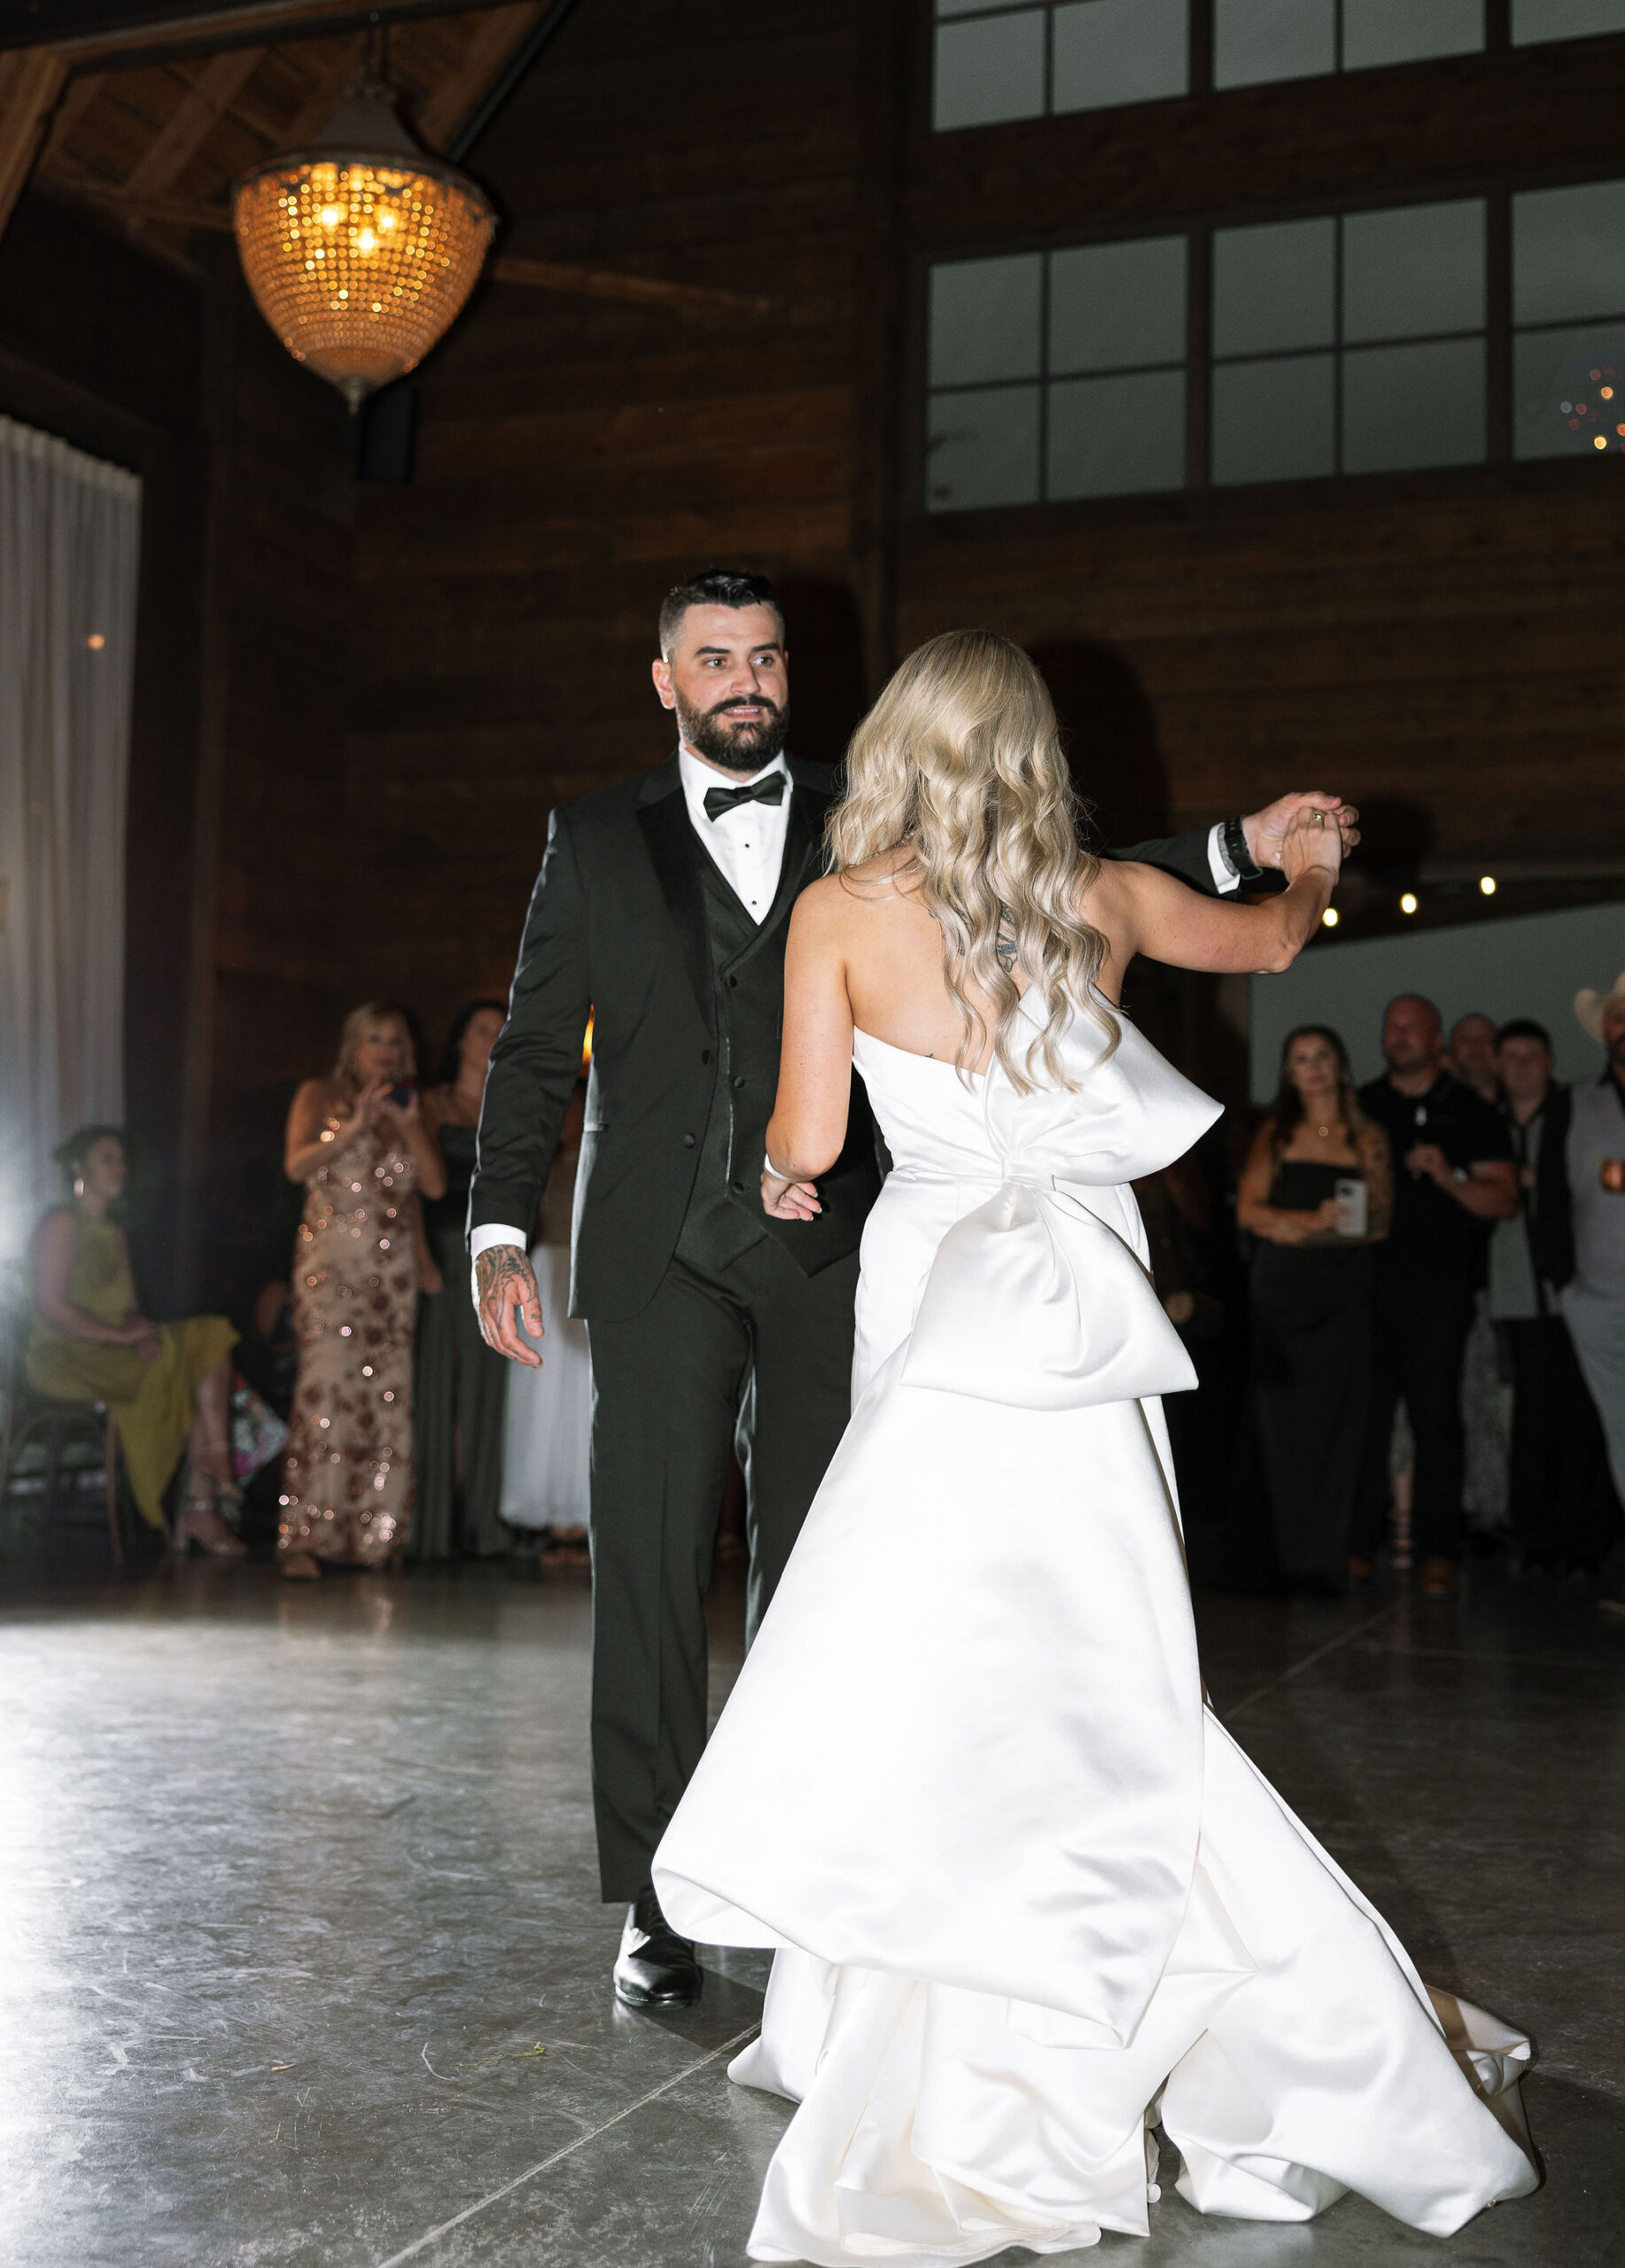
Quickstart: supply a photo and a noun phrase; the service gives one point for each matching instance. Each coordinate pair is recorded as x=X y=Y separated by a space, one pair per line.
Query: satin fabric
x=1027 y=1895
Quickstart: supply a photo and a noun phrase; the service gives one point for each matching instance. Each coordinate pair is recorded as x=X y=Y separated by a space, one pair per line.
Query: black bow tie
x=768 y=789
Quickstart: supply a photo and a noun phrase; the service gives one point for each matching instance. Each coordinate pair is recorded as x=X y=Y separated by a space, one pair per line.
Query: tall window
x=1568 y=320
x=1254 y=41
x=1352 y=343
x=999 y=60
x=994 y=60
x=1536 y=20
x=1057 y=375
x=1344 y=343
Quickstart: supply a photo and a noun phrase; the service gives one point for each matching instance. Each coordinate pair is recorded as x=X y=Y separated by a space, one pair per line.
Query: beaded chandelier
x=360 y=251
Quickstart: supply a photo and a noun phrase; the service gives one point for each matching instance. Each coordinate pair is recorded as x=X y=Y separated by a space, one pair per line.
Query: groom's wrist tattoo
x=1004 y=938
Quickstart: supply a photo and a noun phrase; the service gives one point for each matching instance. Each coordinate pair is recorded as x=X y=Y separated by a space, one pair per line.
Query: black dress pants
x=754 y=1352
x=1420 y=1325
x=1561 y=1499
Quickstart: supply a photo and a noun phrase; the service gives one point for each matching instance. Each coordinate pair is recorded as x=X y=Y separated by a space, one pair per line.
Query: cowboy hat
x=1588 y=1005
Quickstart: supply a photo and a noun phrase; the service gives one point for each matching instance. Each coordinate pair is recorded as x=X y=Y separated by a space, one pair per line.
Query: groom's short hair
x=716 y=587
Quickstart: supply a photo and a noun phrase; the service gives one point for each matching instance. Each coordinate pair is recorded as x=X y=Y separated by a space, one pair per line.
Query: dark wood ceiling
x=153 y=144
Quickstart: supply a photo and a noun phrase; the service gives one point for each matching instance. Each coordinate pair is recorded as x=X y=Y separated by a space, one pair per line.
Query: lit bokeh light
x=1487 y=884
x=1330 y=916
x=1407 y=904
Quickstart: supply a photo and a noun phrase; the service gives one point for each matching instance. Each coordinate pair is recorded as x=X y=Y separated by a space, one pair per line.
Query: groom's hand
x=1266 y=830
x=505 y=1296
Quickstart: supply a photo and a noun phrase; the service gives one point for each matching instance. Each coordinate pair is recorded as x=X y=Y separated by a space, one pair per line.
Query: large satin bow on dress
x=1063 y=1311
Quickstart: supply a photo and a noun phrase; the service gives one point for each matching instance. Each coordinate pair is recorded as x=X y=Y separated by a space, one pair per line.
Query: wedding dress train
x=1028 y=1898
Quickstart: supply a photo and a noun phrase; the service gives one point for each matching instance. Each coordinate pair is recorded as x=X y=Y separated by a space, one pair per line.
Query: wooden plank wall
x=287 y=860
x=576 y=457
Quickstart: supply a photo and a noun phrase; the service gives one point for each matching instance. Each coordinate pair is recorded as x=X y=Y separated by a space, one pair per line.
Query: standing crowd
x=1458 y=1219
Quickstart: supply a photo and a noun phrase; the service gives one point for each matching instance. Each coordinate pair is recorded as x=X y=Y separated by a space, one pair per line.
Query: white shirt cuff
x=1224 y=881
x=493 y=1233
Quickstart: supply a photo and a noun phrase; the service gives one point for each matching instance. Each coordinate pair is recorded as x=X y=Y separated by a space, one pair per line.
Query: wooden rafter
x=200 y=111
x=31 y=81
x=77 y=98
x=602 y=284
x=437 y=117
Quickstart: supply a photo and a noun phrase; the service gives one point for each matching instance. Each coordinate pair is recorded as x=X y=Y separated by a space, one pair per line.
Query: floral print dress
x=347 y=1476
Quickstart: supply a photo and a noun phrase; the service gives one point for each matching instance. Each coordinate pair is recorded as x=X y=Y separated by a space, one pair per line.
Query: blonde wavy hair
x=355 y=1029
x=959 y=763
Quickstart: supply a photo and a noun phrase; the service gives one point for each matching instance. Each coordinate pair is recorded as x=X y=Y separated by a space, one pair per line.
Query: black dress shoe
x=654 y=1968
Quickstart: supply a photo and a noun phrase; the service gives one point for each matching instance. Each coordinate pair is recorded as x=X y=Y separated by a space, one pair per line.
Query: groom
x=662 y=907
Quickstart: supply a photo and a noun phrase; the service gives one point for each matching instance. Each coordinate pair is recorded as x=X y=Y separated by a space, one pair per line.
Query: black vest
x=725 y=1216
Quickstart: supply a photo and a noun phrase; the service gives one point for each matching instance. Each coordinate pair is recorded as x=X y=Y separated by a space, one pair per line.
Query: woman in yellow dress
x=358 y=1142
x=167 y=1385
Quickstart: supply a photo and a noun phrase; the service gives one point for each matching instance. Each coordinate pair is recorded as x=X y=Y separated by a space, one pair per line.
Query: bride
x=1029 y=1900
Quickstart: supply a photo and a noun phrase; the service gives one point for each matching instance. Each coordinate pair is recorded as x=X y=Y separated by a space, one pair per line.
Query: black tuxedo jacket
x=616 y=927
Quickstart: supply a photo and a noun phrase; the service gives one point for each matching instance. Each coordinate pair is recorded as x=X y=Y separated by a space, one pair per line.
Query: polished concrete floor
x=304 y=1963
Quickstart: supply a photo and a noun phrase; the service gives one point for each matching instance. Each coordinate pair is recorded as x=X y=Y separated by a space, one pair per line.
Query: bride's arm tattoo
x=1004 y=938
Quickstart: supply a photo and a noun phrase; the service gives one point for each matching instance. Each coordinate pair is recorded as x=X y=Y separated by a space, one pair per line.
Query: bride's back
x=893 y=955
x=959 y=876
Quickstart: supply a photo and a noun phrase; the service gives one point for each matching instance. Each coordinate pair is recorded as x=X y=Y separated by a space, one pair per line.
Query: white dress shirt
x=747 y=845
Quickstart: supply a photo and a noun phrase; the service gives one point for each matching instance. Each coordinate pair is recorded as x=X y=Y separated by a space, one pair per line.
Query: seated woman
x=167 y=1385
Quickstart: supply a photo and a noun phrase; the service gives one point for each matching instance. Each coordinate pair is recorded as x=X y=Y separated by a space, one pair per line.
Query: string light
x=1487 y=884
x=1407 y=904
x=1330 y=916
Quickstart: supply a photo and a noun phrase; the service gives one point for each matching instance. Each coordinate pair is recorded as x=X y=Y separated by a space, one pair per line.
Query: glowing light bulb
x=95 y=641
x=1407 y=904
x=1487 y=884
x=331 y=215
x=1601 y=441
x=1330 y=916
x=366 y=241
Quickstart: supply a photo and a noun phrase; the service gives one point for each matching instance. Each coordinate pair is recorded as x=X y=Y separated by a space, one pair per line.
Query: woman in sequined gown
x=357 y=1141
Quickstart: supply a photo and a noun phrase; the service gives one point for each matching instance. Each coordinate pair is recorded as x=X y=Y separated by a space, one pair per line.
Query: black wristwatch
x=1234 y=839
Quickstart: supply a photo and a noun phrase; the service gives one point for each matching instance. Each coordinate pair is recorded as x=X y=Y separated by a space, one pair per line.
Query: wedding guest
x=550 y=1410
x=1560 y=1497
x=1594 y=1300
x=357 y=1141
x=167 y=1385
x=1472 y=1055
x=460 y=1387
x=1453 y=1178
x=1316 y=1192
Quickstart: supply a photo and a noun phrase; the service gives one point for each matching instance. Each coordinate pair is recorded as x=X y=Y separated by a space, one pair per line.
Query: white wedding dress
x=1028 y=1896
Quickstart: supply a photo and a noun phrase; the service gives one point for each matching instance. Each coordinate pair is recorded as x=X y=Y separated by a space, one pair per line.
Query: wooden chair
x=30 y=1416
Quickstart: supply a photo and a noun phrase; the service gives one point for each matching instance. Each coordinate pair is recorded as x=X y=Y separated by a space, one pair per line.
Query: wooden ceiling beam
x=31 y=82
x=77 y=98
x=601 y=283
x=487 y=54
x=253 y=23
x=200 y=111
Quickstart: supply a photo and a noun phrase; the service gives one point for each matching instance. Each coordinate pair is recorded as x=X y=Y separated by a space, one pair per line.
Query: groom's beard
x=741 y=734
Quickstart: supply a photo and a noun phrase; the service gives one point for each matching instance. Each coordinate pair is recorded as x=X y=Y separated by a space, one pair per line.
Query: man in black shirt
x=1453 y=1178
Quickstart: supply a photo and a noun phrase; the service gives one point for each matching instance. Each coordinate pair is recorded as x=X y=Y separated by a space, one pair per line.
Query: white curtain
x=70 y=530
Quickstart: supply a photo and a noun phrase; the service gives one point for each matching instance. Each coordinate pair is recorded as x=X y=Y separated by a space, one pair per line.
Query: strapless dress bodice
x=1123 y=1114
